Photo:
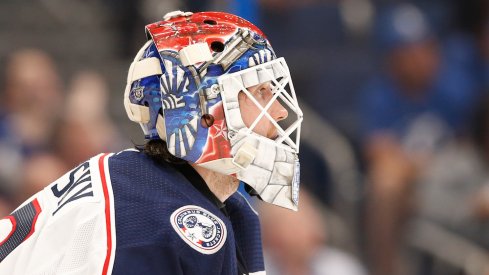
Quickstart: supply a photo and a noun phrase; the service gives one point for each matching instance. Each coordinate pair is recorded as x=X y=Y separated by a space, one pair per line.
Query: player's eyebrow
x=258 y=87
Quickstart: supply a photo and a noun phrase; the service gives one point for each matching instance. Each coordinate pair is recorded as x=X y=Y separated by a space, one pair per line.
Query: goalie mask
x=210 y=85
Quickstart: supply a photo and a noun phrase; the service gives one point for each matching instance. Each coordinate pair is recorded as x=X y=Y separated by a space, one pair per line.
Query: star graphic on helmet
x=221 y=130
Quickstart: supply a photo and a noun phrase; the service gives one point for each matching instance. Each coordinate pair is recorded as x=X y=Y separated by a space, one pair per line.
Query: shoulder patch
x=199 y=228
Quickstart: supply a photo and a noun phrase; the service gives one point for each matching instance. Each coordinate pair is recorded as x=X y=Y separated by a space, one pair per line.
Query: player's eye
x=264 y=92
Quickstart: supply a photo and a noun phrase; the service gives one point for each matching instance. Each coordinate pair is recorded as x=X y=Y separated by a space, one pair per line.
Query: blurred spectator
x=30 y=104
x=409 y=110
x=453 y=195
x=454 y=191
x=295 y=242
x=31 y=97
x=84 y=130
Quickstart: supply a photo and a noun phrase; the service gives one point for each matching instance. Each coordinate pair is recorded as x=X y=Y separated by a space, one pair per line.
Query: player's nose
x=278 y=111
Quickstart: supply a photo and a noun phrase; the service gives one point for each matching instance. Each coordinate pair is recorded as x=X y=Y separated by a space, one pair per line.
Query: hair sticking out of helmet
x=193 y=85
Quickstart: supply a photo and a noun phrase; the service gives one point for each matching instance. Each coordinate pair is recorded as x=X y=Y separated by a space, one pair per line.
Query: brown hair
x=157 y=150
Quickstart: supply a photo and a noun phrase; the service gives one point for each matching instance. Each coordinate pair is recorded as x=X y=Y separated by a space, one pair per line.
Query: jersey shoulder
x=160 y=215
x=71 y=214
x=147 y=196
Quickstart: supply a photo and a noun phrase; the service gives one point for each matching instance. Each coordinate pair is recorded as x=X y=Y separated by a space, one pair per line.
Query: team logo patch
x=199 y=228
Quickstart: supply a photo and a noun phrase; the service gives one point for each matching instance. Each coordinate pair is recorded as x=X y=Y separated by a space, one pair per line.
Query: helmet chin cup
x=244 y=156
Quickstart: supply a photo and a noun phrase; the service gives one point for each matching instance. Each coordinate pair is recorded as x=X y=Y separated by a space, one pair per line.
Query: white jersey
x=67 y=228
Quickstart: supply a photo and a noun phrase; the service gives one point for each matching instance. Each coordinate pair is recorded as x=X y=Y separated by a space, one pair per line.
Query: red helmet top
x=181 y=31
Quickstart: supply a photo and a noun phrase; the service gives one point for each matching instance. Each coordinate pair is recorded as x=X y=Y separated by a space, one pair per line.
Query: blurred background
x=395 y=146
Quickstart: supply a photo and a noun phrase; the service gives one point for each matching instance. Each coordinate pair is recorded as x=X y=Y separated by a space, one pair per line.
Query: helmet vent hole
x=210 y=22
x=217 y=46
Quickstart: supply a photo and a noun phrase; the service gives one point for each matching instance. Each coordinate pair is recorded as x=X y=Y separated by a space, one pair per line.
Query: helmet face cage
x=175 y=81
x=277 y=74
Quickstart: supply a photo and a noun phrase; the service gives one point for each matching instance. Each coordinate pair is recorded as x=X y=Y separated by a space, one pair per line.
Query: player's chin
x=273 y=136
